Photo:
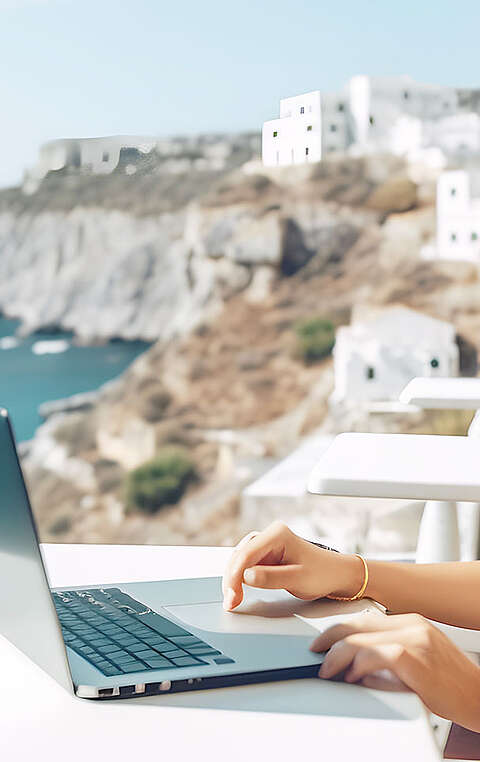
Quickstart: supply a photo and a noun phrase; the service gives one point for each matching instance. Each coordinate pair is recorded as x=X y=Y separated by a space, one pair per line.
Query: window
x=105 y=156
x=406 y=95
x=434 y=363
x=371 y=119
x=275 y=133
x=306 y=151
x=474 y=236
x=340 y=107
x=309 y=128
x=302 y=109
x=333 y=128
x=453 y=237
x=370 y=373
x=453 y=191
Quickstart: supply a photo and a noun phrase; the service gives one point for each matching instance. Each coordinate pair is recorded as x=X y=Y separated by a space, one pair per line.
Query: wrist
x=350 y=576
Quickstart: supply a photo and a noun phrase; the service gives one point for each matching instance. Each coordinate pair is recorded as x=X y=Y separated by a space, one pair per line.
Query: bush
x=161 y=481
x=315 y=339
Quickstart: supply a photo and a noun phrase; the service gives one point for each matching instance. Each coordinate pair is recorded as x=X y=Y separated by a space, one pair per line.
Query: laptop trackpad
x=212 y=617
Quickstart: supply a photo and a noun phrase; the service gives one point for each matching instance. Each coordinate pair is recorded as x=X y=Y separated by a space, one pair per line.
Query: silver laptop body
x=91 y=639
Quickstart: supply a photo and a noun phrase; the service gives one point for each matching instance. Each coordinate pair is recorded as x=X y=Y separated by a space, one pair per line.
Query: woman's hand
x=405 y=651
x=277 y=558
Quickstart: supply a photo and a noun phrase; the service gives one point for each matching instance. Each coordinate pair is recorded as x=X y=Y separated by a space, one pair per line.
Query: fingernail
x=228 y=599
x=249 y=576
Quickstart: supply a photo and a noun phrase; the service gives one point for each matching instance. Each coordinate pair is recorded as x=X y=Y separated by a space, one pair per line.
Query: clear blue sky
x=96 y=67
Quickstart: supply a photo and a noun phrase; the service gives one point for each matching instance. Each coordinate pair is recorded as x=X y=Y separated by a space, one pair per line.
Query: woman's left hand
x=405 y=652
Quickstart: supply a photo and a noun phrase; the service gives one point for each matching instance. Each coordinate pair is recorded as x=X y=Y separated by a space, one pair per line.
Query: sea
x=44 y=366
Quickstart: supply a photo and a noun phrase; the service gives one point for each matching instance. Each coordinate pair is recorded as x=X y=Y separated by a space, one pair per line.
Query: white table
x=443 y=393
x=42 y=721
x=449 y=394
x=439 y=469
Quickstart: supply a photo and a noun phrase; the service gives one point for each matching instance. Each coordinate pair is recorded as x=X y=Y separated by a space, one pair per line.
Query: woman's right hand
x=278 y=559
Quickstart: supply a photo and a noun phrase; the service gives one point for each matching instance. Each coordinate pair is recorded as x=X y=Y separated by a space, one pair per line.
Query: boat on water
x=50 y=347
x=9 y=342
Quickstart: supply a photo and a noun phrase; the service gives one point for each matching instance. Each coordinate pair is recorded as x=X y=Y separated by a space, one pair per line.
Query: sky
x=73 y=68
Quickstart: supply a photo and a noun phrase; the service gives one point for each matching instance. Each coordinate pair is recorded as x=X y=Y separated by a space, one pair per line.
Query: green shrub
x=315 y=338
x=161 y=481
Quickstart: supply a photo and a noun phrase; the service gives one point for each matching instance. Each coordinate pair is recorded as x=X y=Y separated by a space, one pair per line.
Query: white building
x=96 y=155
x=394 y=114
x=375 y=357
x=458 y=218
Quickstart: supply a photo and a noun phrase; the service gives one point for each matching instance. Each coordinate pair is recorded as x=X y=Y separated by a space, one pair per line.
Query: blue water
x=27 y=379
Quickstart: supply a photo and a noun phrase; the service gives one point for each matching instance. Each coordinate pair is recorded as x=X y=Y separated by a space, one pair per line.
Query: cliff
x=217 y=268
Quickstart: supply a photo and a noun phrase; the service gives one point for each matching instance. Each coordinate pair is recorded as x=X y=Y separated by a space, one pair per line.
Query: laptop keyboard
x=118 y=634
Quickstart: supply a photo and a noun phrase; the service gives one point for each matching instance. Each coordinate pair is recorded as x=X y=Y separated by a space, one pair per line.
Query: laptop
x=131 y=639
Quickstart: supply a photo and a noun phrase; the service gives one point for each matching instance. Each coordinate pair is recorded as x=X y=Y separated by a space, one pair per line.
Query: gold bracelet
x=362 y=589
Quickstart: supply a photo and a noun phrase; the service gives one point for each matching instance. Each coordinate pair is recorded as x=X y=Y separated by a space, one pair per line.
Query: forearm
x=446 y=592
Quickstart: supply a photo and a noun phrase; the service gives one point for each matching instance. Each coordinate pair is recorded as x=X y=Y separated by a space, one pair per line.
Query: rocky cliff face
x=217 y=268
x=110 y=266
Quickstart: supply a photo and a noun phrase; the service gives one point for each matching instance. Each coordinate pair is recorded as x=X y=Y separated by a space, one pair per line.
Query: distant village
x=437 y=126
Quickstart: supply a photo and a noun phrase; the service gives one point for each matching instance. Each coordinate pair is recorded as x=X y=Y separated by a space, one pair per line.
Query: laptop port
x=102 y=692
x=127 y=690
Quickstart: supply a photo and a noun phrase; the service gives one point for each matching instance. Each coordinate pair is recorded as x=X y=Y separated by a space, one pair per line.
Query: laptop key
x=108 y=649
x=188 y=661
x=143 y=652
x=224 y=660
x=175 y=654
x=134 y=666
x=202 y=651
x=165 y=648
x=187 y=640
x=157 y=662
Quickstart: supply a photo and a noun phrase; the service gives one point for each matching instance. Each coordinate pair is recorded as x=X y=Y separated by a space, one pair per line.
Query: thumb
x=273 y=577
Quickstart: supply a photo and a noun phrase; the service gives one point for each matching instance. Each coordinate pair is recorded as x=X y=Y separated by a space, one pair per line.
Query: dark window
x=340 y=107
x=309 y=128
x=474 y=236
x=302 y=110
x=453 y=191
x=370 y=373
x=275 y=133
x=453 y=237
x=306 y=151
x=333 y=128
x=434 y=362
x=371 y=119
x=105 y=156
x=406 y=95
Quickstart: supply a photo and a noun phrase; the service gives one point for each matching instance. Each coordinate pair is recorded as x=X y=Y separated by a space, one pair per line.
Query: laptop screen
x=27 y=614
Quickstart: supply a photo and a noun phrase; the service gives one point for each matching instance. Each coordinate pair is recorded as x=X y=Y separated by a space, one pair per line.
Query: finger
x=364 y=623
x=378 y=657
x=273 y=577
x=384 y=680
x=343 y=652
x=268 y=546
x=242 y=542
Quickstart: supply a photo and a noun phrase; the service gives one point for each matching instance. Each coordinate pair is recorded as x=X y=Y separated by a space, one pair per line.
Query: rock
x=130 y=446
x=394 y=195
x=83 y=401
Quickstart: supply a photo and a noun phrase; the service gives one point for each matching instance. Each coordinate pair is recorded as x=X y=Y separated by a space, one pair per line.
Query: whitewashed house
x=392 y=114
x=458 y=218
x=375 y=357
